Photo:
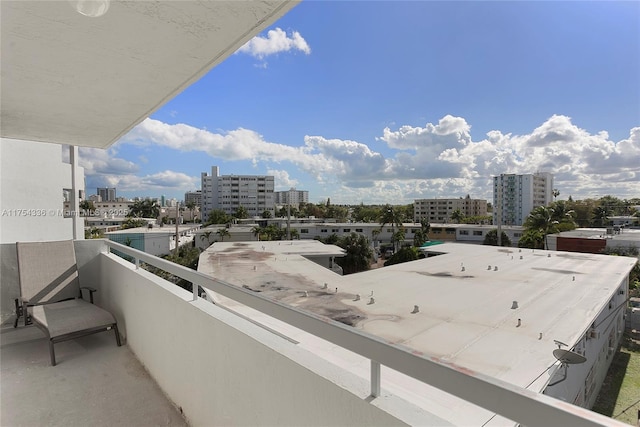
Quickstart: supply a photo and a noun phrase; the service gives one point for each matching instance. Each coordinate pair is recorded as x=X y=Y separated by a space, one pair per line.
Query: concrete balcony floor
x=95 y=382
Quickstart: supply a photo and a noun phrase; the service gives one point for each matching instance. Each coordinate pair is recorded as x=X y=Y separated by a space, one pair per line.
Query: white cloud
x=282 y=179
x=275 y=42
x=97 y=161
x=441 y=160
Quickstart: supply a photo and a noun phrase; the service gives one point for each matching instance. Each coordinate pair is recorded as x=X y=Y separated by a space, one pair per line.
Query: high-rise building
x=106 y=194
x=229 y=192
x=193 y=196
x=291 y=197
x=515 y=196
x=440 y=210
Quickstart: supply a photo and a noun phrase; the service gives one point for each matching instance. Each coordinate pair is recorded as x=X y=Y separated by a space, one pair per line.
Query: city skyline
x=380 y=102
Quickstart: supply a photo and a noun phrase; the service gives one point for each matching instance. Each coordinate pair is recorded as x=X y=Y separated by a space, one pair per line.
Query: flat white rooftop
x=465 y=316
x=627 y=234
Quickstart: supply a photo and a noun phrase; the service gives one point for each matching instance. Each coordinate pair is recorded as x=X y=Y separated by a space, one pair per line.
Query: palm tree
x=358 y=253
x=600 y=216
x=398 y=237
x=542 y=219
x=144 y=209
x=256 y=230
x=390 y=216
x=206 y=236
x=564 y=215
x=555 y=193
x=294 y=234
x=456 y=216
x=223 y=232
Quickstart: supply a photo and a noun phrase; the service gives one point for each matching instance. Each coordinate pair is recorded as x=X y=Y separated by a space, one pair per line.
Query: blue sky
x=386 y=102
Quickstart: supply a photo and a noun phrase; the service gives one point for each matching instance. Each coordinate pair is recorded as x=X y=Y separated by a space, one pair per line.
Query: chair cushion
x=65 y=317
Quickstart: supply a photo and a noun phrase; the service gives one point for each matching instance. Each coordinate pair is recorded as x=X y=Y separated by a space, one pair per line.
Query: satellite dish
x=568 y=357
x=560 y=343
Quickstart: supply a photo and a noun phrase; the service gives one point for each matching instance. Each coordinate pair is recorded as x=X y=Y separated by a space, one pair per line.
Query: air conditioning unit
x=593 y=334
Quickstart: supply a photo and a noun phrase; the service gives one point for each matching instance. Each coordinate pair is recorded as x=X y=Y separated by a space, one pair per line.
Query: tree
x=241 y=213
x=133 y=223
x=388 y=215
x=358 y=253
x=422 y=235
x=491 y=238
x=223 y=232
x=256 y=231
x=362 y=213
x=600 y=216
x=266 y=214
x=93 y=233
x=206 y=236
x=563 y=215
x=532 y=239
x=398 y=237
x=555 y=192
x=541 y=219
x=403 y=255
x=144 y=209
x=457 y=217
x=87 y=205
x=294 y=234
x=217 y=216
x=191 y=206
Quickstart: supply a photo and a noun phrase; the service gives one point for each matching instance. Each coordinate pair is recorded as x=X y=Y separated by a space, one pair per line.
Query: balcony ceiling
x=72 y=79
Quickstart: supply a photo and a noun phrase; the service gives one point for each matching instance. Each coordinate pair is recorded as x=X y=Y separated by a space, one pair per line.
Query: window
x=323 y=230
x=358 y=230
x=346 y=230
x=335 y=230
x=477 y=233
x=304 y=231
x=464 y=232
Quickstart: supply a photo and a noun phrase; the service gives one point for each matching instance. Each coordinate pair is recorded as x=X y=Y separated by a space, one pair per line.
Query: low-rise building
x=154 y=240
x=440 y=210
x=504 y=321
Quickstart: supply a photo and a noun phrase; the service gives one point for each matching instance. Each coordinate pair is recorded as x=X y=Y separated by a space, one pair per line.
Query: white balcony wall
x=32 y=178
x=221 y=369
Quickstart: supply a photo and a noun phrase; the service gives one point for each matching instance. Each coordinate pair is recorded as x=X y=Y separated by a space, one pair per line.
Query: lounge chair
x=51 y=296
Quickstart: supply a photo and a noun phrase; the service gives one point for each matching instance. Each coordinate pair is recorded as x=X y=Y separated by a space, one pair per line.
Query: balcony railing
x=521 y=405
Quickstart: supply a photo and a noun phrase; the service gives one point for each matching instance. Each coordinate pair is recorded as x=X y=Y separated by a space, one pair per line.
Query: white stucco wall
x=32 y=177
x=219 y=368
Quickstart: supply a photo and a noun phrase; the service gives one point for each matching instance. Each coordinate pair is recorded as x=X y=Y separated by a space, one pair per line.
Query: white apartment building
x=515 y=196
x=440 y=210
x=229 y=192
x=291 y=197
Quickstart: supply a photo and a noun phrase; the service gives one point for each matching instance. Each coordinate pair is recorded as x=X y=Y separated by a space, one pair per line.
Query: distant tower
x=515 y=196
x=107 y=194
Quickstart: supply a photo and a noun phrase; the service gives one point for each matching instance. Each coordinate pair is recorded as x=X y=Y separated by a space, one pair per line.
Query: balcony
x=221 y=368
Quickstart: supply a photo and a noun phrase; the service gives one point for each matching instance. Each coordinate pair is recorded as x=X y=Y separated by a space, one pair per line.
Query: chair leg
x=18 y=311
x=115 y=330
x=52 y=353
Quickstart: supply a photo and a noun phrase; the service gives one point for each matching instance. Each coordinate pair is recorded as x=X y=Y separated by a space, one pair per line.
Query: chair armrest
x=91 y=291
